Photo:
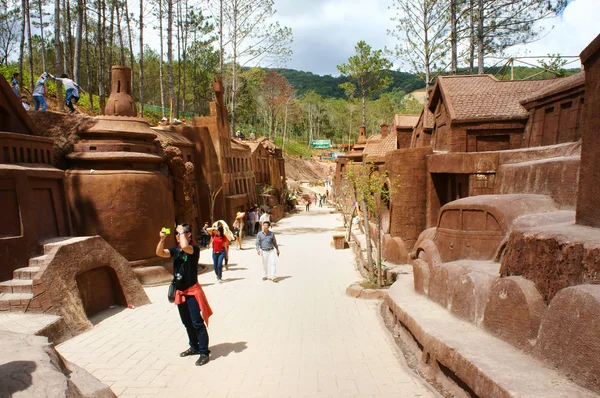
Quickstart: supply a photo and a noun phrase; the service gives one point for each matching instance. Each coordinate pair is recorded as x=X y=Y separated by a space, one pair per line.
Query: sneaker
x=220 y=281
x=189 y=352
x=203 y=360
x=264 y=278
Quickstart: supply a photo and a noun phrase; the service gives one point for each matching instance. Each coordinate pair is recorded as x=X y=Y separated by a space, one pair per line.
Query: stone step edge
x=495 y=368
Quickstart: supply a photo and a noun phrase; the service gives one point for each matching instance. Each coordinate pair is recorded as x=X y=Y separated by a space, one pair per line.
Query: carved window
x=473 y=220
x=492 y=223
x=450 y=219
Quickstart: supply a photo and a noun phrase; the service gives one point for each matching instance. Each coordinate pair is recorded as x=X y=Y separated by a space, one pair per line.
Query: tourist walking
x=14 y=83
x=238 y=229
x=251 y=221
x=266 y=246
x=205 y=237
x=265 y=217
x=308 y=203
x=220 y=242
x=39 y=93
x=190 y=299
x=257 y=220
x=72 y=93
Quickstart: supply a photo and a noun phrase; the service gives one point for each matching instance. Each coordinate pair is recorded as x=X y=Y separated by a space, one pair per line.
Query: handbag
x=171 y=292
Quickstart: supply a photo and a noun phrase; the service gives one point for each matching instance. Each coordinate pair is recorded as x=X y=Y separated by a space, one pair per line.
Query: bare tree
x=505 y=23
x=141 y=62
x=252 y=38
x=170 y=57
x=78 y=40
x=130 y=38
x=422 y=32
x=58 y=52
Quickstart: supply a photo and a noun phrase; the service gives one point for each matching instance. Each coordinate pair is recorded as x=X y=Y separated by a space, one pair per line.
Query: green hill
x=328 y=86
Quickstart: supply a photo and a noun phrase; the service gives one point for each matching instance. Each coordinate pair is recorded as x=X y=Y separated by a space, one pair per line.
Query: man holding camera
x=191 y=302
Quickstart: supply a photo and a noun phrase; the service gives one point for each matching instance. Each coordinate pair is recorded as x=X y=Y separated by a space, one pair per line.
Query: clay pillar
x=362 y=137
x=588 y=211
x=120 y=102
x=384 y=130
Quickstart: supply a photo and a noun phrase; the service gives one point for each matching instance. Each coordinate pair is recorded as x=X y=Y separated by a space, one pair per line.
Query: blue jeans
x=39 y=100
x=70 y=97
x=194 y=325
x=218 y=263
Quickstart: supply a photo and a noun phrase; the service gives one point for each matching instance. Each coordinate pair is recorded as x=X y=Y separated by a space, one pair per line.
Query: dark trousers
x=256 y=227
x=218 y=263
x=71 y=98
x=194 y=325
x=204 y=240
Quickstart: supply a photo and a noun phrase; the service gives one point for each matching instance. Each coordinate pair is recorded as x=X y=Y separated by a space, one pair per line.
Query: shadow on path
x=281 y=278
x=224 y=349
x=232 y=280
x=16 y=376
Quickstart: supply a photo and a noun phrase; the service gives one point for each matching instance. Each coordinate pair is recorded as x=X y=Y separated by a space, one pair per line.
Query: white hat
x=164 y=119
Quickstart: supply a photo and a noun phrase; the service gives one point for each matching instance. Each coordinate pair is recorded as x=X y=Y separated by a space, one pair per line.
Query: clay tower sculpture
x=115 y=186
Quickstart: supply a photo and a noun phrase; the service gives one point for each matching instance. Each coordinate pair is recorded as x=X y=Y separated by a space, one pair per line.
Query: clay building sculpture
x=43 y=268
x=496 y=212
x=115 y=187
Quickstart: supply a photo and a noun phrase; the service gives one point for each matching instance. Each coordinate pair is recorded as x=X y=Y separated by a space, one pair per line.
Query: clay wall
x=486 y=137
x=33 y=209
x=208 y=173
x=588 y=211
x=404 y=137
x=555 y=121
x=408 y=174
x=441 y=134
x=421 y=137
x=556 y=177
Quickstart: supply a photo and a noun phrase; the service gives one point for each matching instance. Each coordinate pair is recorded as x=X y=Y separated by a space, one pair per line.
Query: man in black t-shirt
x=185 y=273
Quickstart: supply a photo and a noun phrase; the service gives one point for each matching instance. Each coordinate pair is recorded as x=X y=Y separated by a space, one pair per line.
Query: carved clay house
x=404 y=125
x=269 y=171
x=421 y=135
x=555 y=112
x=44 y=269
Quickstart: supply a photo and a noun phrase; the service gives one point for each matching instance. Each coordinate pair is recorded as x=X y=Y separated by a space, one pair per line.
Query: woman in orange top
x=219 y=245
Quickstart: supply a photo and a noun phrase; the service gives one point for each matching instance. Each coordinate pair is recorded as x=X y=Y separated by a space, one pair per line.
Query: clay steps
x=39 y=261
x=15 y=302
x=17 y=286
x=51 y=246
x=25 y=273
x=471 y=357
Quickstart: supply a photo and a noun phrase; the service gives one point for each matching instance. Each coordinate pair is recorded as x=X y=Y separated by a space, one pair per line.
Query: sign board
x=320 y=144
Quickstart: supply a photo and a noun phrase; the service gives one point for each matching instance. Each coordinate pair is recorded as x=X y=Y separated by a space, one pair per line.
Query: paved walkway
x=301 y=336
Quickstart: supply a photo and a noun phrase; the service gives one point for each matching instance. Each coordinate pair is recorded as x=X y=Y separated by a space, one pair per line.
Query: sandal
x=189 y=352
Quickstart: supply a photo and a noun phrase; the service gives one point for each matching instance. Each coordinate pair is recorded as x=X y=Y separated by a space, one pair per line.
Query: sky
x=326 y=31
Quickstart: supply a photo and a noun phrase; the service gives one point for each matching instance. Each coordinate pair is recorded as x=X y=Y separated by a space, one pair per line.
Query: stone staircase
x=17 y=294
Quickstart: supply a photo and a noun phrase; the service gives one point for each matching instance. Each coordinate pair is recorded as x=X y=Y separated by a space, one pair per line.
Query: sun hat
x=240 y=214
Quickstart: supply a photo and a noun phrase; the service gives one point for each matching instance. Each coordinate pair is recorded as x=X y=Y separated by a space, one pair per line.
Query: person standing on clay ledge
x=190 y=299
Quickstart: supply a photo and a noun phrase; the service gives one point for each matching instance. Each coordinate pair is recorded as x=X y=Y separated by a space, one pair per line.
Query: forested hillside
x=329 y=86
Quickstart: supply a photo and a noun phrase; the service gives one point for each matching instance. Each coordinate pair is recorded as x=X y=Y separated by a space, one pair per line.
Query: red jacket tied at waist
x=198 y=293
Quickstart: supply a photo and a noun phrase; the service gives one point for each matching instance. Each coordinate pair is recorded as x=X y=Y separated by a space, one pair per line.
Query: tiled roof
x=556 y=86
x=381 y=146
x=483 y=97
x=429 y=119
x=239 y=145
x=171 y=136
x=372 y=144
x=405 y=121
